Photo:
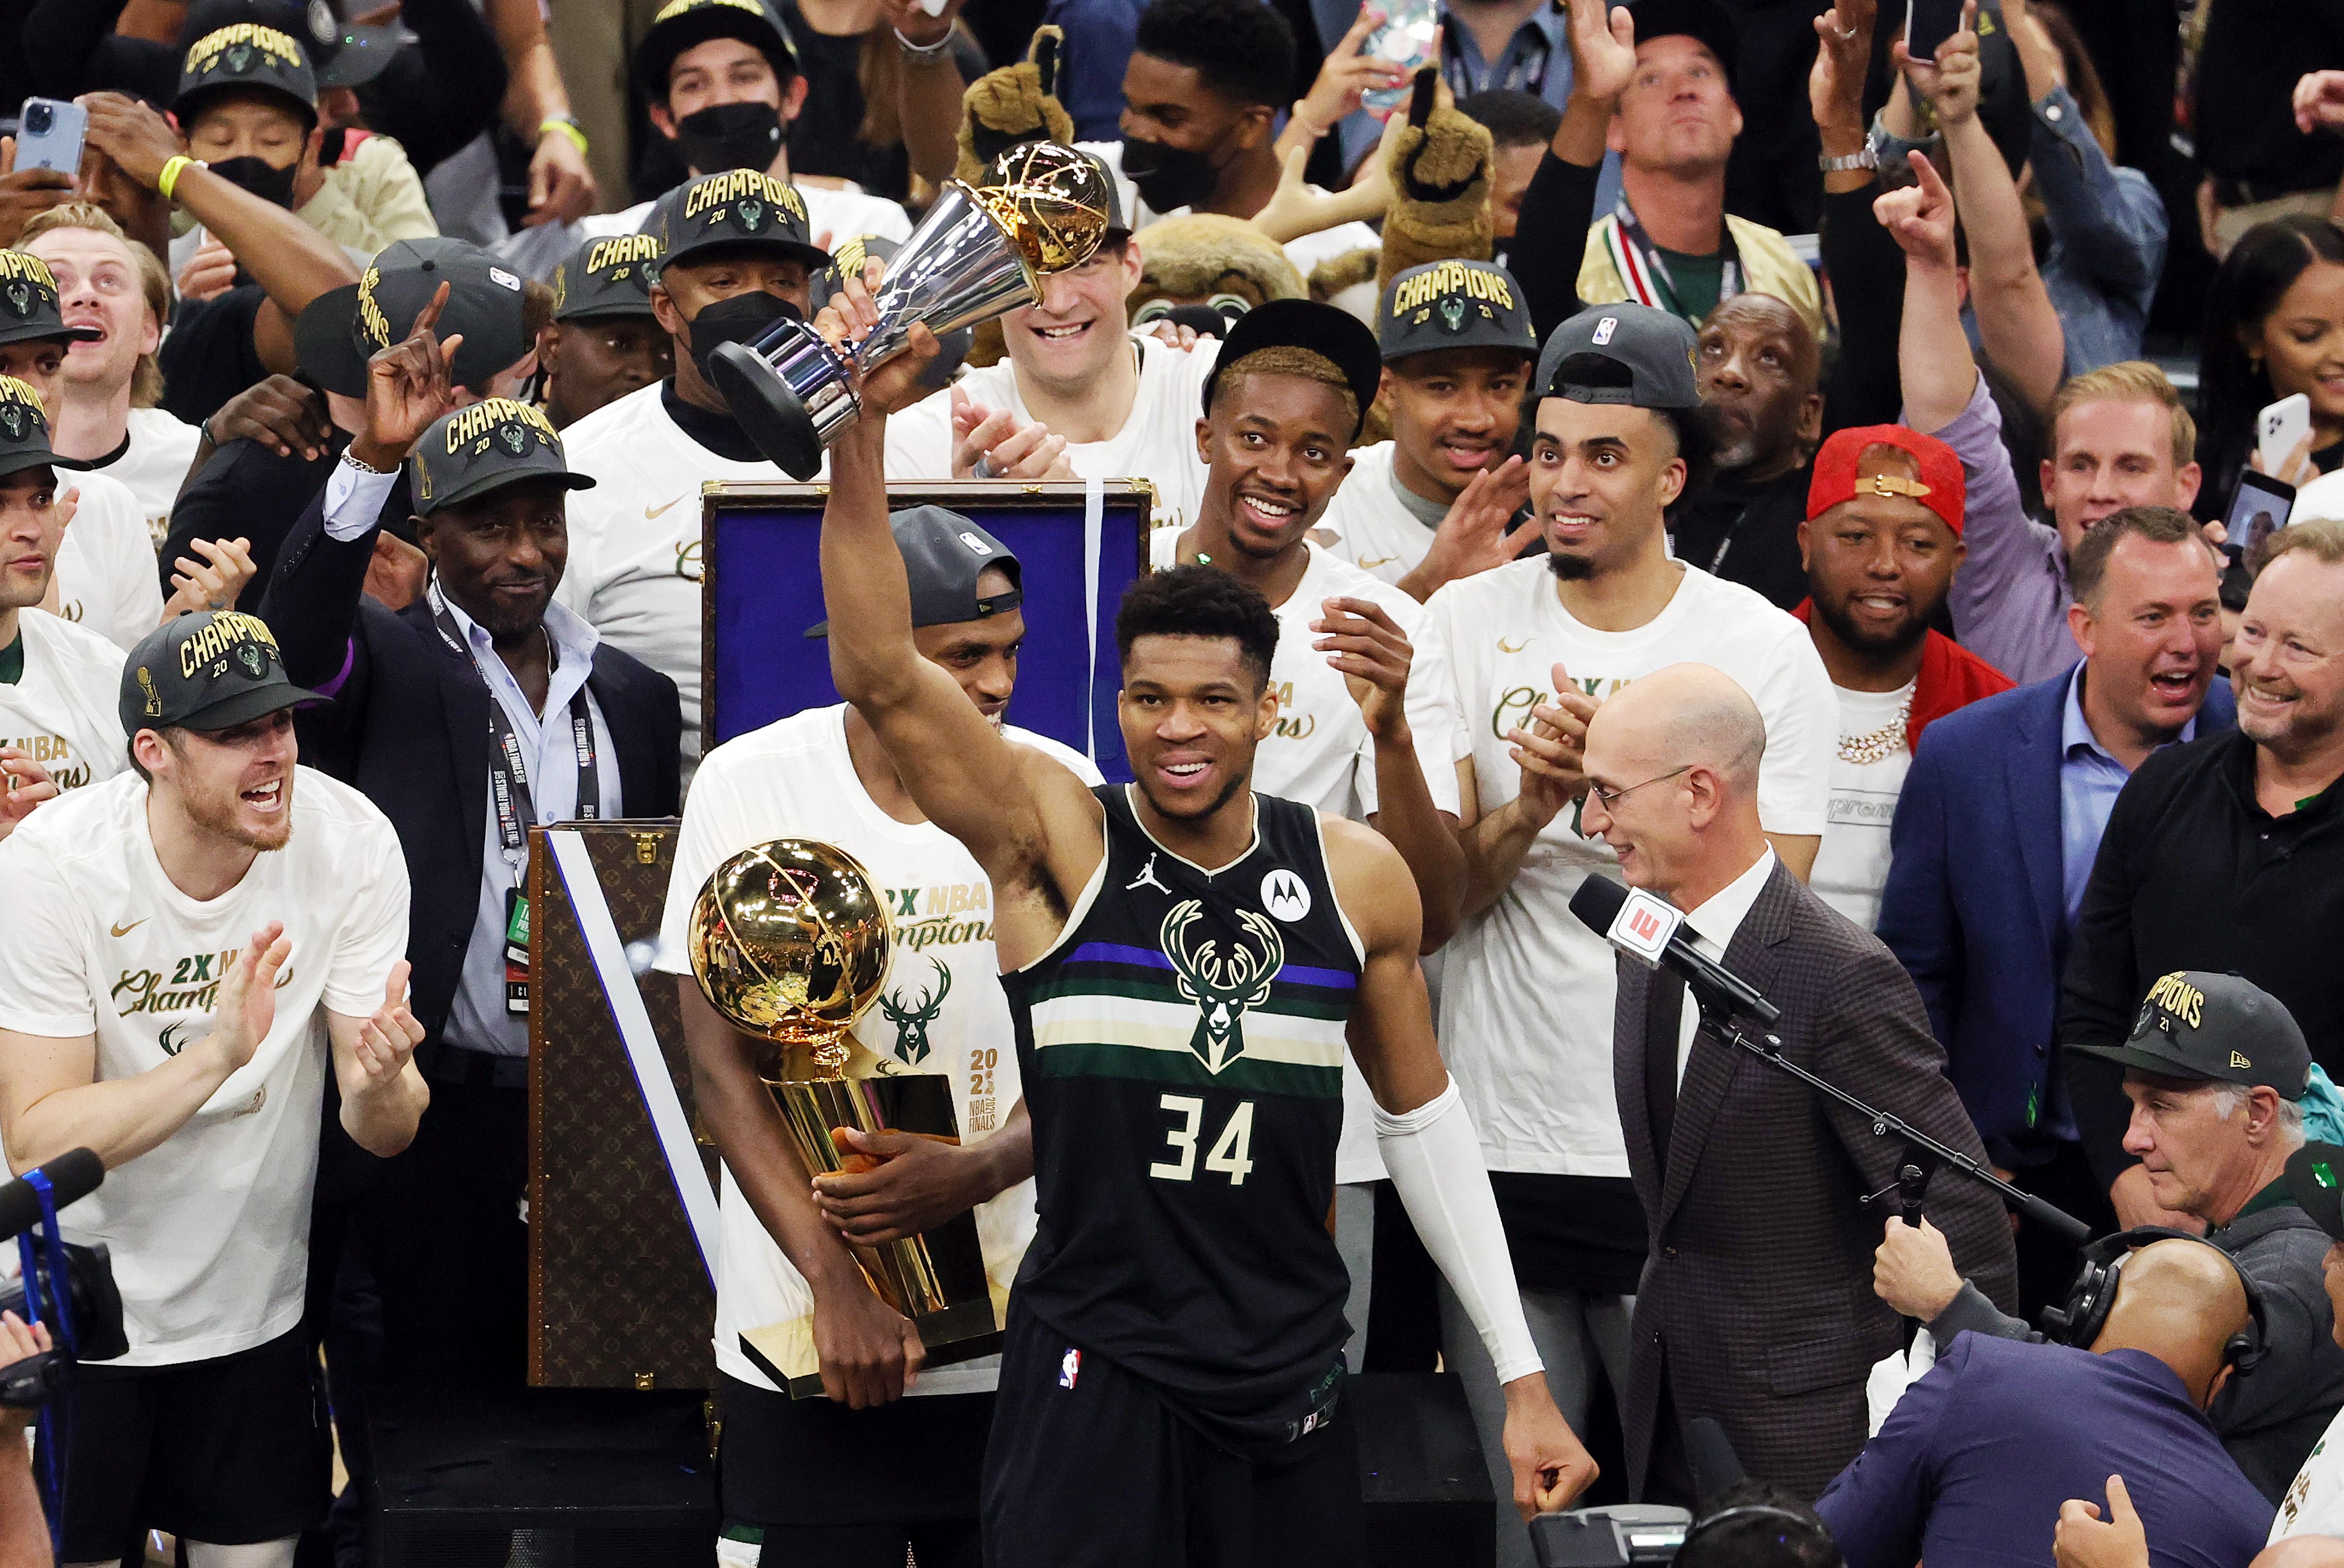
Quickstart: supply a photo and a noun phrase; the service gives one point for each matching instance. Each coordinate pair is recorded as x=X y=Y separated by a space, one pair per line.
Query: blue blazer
x=1973 y=906
x=1972 y=1465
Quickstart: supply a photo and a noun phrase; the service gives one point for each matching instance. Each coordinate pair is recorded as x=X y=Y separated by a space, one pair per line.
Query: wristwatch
x=1867 y=156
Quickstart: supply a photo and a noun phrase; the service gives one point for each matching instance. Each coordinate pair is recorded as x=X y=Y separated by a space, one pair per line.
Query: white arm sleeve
x=1434 y=1158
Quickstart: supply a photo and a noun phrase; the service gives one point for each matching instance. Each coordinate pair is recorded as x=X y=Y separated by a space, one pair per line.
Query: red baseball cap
x=1939 y=487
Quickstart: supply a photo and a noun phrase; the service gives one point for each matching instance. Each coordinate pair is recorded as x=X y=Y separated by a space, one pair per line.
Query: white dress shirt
x=1710 y=928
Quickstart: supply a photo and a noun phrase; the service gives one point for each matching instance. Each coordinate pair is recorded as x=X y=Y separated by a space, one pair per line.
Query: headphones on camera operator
x=2094 y=1294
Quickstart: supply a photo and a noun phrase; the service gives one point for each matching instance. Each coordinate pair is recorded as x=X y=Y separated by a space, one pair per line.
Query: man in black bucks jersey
x=1186 y=962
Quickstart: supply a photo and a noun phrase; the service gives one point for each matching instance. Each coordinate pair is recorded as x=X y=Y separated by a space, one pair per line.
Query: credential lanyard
x=508 y=767
x=1641 y=268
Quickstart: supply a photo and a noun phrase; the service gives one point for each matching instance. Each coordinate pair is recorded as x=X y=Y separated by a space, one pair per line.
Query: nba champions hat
x=494 y=443
x=210 y=670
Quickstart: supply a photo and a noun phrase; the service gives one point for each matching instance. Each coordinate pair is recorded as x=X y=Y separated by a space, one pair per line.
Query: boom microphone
x=71 y=1176
x=1644 y=926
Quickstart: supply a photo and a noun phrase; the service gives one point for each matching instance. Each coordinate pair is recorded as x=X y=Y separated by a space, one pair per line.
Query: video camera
x=90 y=1303
x=1613 y=1537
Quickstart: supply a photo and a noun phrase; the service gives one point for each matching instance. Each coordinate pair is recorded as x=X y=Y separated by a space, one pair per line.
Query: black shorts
x=1088 y=1468
x=798 y=1461
x=231 y=1451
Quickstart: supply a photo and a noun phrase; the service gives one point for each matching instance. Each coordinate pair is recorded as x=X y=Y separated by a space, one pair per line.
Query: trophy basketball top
x=789 y=940
x=1051 y=200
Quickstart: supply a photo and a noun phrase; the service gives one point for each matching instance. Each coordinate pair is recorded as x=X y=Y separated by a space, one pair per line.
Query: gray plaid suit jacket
x=1757 y=1297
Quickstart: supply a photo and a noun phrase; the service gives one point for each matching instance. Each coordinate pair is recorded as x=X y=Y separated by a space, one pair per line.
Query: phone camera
x=39 y=120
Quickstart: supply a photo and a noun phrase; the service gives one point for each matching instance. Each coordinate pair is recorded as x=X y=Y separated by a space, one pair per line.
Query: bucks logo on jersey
x=913 y=1017
x=1222 y=983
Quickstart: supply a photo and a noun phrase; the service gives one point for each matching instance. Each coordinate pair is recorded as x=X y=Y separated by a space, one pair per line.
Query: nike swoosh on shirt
x=650 y=513
x=125 y=930
x=1367 y=566
x=1505 y=647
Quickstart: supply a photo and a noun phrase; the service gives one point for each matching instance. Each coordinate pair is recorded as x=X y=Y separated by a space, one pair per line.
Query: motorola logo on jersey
x=1285 y=895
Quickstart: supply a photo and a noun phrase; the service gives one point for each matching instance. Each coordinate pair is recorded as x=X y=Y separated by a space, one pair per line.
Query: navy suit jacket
x=1975 y=907
x=408 y=726
x=1971 y=1467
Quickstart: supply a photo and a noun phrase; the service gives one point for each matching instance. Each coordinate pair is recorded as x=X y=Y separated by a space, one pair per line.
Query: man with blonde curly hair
x=107 y=412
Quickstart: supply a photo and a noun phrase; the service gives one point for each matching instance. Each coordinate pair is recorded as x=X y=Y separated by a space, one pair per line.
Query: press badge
x=516 y=953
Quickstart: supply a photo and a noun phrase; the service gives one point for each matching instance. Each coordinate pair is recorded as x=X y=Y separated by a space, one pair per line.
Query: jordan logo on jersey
x=912 y=1019
x=1222 y=985
x=1146 y=877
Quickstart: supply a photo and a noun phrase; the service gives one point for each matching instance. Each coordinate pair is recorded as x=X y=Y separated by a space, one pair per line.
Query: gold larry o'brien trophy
x=790 y=942
x=980 y=251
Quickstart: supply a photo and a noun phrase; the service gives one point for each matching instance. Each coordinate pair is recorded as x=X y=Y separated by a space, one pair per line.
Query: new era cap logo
x=2239 y=1062
x=1604 y=329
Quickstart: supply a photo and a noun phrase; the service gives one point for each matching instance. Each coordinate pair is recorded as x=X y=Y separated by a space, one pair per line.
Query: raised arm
x=1002 y=802
x=2015 y=321
x=561 y=189
x=1561 y=201
x=928 y=85
x=1933 y=351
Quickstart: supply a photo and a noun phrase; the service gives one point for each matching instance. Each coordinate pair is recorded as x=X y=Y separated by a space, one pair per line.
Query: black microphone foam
x=71 y=1176
x=1598 y=903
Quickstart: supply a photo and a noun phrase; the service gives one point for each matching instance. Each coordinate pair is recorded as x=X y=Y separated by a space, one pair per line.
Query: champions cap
x=1326 y=330
x=944 y=555
x=1454 y=304
x=344 y=327
x=494 y=443
x=2315 y=1180
x=25 y=431
x=2220 y=1028
x=250 y=55
x=607 y=277
x=735 y=207
x=683 y=25
x=1584 y=358
x=28 y=303
x=210 y=670
x=1940 y=487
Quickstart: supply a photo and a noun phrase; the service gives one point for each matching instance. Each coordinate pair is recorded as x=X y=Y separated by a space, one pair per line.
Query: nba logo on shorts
x=1070 y=1366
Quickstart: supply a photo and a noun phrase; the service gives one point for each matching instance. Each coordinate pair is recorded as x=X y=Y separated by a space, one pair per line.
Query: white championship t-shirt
x=1157 y=442
x=154 y=464
x=1374 y=528
x=1322 y=754
x=1304 y=252
x=2314 y=1503
x=842 y=215
x=941 y=1011
x=64 y=710
x=1867 y=775
x=635 y=539
x=107 y=578
x=1527 y=992
x=210 y=1229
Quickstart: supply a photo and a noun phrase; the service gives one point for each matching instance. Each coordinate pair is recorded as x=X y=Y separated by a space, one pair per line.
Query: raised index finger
x=429 y=316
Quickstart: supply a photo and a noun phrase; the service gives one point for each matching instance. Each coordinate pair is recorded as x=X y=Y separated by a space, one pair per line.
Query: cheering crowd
x=1862 y=477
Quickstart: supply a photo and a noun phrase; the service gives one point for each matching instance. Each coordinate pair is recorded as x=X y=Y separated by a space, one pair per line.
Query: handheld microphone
x=71 y=1176
x=1644 y=926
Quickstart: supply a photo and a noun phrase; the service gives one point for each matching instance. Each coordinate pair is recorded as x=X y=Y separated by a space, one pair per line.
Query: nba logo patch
x=1070 y=1366
x=1604 y=328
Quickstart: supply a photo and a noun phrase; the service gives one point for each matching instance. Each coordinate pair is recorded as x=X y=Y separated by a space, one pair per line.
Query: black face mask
x=742 y=319
x=261 y=177
x=731 y=136
x=1168 y=177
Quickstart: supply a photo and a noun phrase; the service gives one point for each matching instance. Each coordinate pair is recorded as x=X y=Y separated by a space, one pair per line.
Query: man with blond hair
x=106 y=413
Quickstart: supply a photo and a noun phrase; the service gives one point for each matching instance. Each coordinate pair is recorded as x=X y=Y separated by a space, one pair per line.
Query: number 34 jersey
x=1182 y=1054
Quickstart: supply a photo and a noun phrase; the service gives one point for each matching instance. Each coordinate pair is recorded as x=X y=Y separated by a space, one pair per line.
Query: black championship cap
x=683 y=25
x=249 y=55
x=1584 y=358
x=736 y=207
x=28 y=303
x=210 y=670
x=494 y=443
x=2315 y=1180
x=944 y=555
x=1326 y=330
x=2220 y=1028
x=25 y=430
x=344 y=327
x=606 y=276
x=358 y=52
x=1702 y=21
x=1454 y=304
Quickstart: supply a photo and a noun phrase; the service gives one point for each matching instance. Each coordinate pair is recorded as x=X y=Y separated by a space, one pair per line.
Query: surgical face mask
x=1168 y=177
x=742 y=319
x=261 y=177
x=731 y=136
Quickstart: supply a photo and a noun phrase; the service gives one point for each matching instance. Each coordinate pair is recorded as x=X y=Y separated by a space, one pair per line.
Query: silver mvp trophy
x=981 y=251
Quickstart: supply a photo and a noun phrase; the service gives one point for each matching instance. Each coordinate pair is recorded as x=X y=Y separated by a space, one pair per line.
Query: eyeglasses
x=1611 y=798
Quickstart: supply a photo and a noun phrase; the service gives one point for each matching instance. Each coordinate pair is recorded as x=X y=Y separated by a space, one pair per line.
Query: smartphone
x=2280 y=428
x=1929 y=22
x=48 y=134
x=1404 y=39
x=2259 y=509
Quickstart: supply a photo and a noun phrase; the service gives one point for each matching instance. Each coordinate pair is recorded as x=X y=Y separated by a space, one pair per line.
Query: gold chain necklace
x=1866 y=749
